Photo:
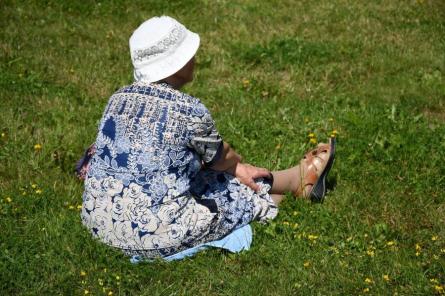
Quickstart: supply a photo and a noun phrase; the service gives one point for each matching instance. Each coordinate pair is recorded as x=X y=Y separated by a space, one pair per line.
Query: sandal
x=317 y=163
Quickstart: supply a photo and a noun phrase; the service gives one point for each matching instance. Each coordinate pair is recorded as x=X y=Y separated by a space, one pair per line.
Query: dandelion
x=418 y=249
x=264 y=93
x=71 y=207
x=34 y=186
x=39 y=191
x=386 y=277
x=286 y=223
x=370 y=253
x=390 y=243
x=86 y=292
x=434 y=281
x=306 y=120
x=83 y=273
x=8 y=199
x=442 y=251
x=246 y=82
x=439 y=289
x=118 y=278
x=434 y=238
x=306 y=264
x=365 y=290
x=278 y=147
x=313 y=141
x=435 y=257
x=368 y=281
x=101 y=282
x=331 y=119
x=295 y=213
x=79 y=207
x=110 y=293
x=37 y=147
x=311 y=135
x=3 y=135
x=312 y=237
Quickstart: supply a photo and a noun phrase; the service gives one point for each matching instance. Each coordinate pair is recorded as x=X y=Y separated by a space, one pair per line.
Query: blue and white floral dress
x=146 y=191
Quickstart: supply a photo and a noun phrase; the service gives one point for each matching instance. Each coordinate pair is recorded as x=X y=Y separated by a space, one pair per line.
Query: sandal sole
x=318 y=191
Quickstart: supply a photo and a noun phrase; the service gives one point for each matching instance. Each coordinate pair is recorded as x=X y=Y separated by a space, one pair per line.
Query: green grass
x=271 y=72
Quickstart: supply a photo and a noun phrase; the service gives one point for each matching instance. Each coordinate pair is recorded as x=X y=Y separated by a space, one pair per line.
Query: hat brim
x=169 y=65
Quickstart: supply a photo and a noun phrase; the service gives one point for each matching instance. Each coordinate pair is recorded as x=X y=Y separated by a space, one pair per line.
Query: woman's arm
x=230 y=162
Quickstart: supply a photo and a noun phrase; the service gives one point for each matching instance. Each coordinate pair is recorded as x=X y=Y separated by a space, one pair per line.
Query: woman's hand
x=247 y=174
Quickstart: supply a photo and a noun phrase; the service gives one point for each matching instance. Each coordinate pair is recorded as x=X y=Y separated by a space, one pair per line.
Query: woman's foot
x=314 y=168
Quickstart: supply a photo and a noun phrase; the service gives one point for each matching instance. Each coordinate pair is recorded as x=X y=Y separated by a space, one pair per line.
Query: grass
x=271 y=73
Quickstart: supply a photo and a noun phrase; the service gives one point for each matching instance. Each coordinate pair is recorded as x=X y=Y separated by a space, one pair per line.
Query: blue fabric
x=235 y=242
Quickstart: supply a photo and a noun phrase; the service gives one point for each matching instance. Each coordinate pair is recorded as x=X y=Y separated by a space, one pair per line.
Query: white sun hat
x=160 y=47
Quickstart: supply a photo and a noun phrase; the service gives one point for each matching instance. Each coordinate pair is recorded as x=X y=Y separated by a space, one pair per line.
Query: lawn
x=271 y=72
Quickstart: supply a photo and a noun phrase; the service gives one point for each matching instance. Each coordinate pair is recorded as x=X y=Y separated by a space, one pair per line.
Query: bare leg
x=286 y=180
x=277 y=198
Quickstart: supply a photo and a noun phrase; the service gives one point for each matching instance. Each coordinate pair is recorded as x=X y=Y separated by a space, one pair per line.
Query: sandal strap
x=314 y=161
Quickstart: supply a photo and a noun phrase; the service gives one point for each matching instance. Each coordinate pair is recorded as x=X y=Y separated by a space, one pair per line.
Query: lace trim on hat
x=172 y=41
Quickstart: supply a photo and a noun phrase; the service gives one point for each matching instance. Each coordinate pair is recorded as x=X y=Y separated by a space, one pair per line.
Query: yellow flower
x=37 y=147
x=246 y=82
x=286 y=223
x=386 y=277
x=118 y=277
x=39 y=191
x=331 y=119
x=101 y=282
x=434 y=281
x=71 y=207
x=83 y=273
x=370 y=253
x=368 y=281
x=86 y=292
x=365 y=290
x=312 y=237
x=79 y=207
x=335 y=132
x=313 y=141
x=418 y=249
x=8 y=199
x=306 y=264
x=439 y=289
x=3 y=135
x=34 y=186
x=110 y=293
x=442 y=251
x=311 y=135
x=390 y=243
x=434 y=238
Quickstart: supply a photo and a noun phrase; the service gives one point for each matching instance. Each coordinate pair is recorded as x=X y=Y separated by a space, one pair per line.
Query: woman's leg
x=300 y=179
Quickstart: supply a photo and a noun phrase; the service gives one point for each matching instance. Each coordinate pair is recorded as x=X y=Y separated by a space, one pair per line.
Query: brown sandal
x=316 y=165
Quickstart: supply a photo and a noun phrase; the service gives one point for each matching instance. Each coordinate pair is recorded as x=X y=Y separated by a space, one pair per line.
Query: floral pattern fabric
x=146 y=191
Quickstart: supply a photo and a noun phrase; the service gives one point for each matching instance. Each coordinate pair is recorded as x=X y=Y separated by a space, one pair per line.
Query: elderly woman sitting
x=160 y=181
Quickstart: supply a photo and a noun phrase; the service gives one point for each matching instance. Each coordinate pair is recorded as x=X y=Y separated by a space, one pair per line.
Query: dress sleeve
x=205 y=139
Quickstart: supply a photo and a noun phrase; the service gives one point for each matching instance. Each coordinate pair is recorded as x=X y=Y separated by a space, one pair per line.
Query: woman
x=161 y=181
